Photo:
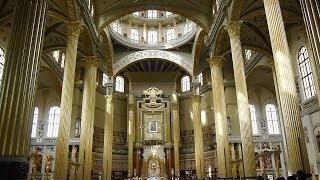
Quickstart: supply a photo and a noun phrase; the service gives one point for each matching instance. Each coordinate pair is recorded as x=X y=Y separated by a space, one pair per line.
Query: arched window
x=185 y=83
x=152 y=14
x=135 y=13
x=152 y=37
x=170 y=34
x=35 y=122
x=1 y=64
x=53 y=121
x=248 y=53
x=59 y=56
x=187 y=27
x=306 y=74
x=168 y=13
x=104 y=79
x=135 y=34
x=253 y=119
x=200 y=78
x=272 y=119
x=119 y=84
x=63 y=58
x=56 y=55
x=116 y=26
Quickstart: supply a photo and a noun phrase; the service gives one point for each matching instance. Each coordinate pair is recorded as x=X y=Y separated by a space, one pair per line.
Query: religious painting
x=153 y=126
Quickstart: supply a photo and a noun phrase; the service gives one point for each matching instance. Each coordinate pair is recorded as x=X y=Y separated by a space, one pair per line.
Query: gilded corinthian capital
x=74 y=28
x=90 y=61
x=233 y=28
x=216 y=61
x=196 y=98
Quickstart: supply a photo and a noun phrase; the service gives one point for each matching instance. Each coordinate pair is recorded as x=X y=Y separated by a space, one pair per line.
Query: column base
x=13 y=167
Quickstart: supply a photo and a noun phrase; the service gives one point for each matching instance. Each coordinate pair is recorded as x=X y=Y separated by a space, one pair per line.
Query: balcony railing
x=181 y=40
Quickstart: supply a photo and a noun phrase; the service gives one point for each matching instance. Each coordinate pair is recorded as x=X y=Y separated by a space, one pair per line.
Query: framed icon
x=153 y=126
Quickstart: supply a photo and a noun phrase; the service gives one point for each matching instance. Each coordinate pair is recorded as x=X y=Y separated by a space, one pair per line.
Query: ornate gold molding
x=74 y=28
x=90 y=61
x=216 y=61
x=233 y=28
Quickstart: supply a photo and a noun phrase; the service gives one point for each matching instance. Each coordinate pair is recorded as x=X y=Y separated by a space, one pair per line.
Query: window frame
x=135 y=34
x=254 y=122
x=152 y=37
x=170 y=34
x=272 y=119
x=35 y=122
x=119 y=84
x=185 y=83
x=306 y=75
x=53 y=122
x=152 y=14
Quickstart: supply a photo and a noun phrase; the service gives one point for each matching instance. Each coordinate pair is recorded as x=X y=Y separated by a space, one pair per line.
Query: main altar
x=153 y=138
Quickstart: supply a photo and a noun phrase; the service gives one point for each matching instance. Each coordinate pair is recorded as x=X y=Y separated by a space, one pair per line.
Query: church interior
x=159 y=89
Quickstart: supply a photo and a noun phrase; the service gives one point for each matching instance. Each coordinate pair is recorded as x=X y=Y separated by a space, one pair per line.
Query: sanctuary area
x=159 y=89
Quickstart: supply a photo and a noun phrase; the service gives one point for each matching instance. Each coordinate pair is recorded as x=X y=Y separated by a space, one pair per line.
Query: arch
x=113 y=13
x=108 y=51
x=181 y=60
x=89 y=46
x=197 y=49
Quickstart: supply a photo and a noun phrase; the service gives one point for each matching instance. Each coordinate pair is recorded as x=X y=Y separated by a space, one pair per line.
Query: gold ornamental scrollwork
x=233 y=28
x=216 y=61
x=74 y=28
x=90 y=61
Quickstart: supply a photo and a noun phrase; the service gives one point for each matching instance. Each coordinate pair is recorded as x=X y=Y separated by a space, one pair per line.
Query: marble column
x=108 y=131
x=233 y=29
x=297 y=150
x=311 y=16
x=220 y=115
x=130 y=132
x=19 y=86
x=87 y=116
x=61 y=160
x=176 y=132
x=198 y=137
